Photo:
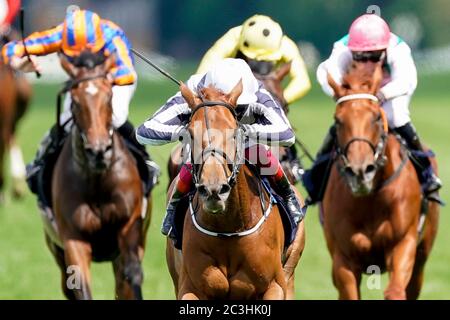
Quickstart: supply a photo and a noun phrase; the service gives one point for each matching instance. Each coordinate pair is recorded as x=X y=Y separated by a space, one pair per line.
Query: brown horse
x=14 y=98
x=372 y=204
x=273 y=83
x=97 y=195
x=247 y=260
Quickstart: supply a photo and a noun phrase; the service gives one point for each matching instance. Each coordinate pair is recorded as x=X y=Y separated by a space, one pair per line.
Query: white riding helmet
x=225 y=75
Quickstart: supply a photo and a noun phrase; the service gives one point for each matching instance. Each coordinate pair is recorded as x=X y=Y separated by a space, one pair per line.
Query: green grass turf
x=27 y=269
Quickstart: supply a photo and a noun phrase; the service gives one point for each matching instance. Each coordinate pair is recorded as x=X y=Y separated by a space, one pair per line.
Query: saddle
x=289 y=225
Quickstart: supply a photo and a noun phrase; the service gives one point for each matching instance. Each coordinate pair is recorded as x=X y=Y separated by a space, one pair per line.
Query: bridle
x=69 y=85
x=378 y=149
x=232 y=178
x=214 y=151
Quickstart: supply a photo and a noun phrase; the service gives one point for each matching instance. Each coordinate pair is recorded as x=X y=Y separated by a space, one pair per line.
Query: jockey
x=370 y=39
x=8 y=12
x=82 y=31
x=261 y=118
x=261 y=43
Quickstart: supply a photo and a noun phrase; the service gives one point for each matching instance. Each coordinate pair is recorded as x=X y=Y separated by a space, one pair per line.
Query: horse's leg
x=423 y=251
x=127 y=267
x=345 y=278
x=58 y=254
x=17 y=169
x=174 y=260
x=293 y=255
x=78 y=255
x=400 y=265
x=276 y=290
x=186 y=290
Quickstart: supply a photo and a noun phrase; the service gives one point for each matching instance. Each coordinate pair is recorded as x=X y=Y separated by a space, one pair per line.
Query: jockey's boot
x=49 y=146
x=128 y=133
x=183 y=185
x=430 y=182
x=283 y=187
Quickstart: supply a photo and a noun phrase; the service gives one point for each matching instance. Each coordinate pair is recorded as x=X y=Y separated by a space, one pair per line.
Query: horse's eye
x=346 y=86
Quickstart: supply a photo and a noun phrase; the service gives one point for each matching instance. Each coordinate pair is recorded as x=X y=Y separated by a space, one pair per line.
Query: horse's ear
x=188 y=95
x=68 y=67
x=377 y=78
x=283 y=71
x=233 y=96
x=109 y=63
x=338 y=91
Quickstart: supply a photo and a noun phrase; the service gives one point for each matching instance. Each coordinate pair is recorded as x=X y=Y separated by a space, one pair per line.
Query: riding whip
x=147 y=60
x=305 y=150
x=22 y=31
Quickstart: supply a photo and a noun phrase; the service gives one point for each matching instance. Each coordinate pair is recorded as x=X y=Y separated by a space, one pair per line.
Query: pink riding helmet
x=369 y=32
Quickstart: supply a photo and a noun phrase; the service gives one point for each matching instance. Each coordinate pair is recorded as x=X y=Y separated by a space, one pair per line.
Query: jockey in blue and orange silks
x=84 y=31
x=261 y=118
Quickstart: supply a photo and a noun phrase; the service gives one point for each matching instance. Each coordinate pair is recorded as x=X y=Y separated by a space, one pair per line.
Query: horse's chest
x=243 y=284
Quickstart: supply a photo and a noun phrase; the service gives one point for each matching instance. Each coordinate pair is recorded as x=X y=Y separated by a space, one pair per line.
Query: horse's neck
x=238 y=215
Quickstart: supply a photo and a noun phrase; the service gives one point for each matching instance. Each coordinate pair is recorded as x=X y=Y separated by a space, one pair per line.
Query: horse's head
x=360 y=126
x=91 y=93
x=215 y=144
x=273 y=83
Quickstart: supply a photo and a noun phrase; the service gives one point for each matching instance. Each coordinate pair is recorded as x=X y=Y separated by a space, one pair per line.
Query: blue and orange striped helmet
x=82 y=31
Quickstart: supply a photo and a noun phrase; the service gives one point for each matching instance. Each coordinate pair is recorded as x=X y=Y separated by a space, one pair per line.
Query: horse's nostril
x=203 y=191
x=370 y=169
x=349 y=171
x=225 y=189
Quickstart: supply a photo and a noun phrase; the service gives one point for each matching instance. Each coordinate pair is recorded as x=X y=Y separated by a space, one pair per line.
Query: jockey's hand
x=23 y=64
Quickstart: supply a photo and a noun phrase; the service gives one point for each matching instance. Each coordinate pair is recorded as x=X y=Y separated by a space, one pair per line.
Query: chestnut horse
x=14 y=97
x=97 y=194
x=272 y=82
x=233 y=238
x=372 y=204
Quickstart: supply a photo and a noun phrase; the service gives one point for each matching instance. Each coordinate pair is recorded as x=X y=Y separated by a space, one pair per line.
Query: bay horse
x=14 y=98
x=97 y=194
x=237 y=251
x=372 y=204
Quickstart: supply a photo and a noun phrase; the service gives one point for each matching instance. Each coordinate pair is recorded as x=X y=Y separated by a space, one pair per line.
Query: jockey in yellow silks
x=260 y=41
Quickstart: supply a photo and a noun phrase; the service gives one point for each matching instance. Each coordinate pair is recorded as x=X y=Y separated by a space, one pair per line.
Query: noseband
x=378 y=149
x=213 y=151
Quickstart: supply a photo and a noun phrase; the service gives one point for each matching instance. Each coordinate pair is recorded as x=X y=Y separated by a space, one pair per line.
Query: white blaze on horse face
x=91 y=89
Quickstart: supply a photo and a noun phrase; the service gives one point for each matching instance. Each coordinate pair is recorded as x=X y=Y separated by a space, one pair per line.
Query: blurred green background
x=27 y=269
x=177 y=33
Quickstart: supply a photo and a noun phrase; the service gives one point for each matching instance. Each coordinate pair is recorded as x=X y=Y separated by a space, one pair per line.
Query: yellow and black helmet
x=261 y=39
